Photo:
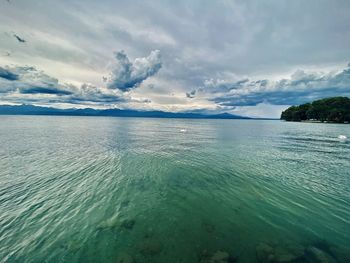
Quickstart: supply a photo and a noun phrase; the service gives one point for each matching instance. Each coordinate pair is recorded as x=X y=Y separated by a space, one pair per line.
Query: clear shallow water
x=85 y=189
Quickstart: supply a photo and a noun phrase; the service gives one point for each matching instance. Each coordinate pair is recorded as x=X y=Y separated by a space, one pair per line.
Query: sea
x=123 y=190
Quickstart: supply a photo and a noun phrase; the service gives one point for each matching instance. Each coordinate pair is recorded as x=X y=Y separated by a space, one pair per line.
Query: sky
x=250 y=58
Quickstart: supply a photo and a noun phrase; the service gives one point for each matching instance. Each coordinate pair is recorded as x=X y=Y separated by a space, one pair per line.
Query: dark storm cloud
x=220 y=85
x=91 y=93
x=126 y=75
x=29 y=80
x=21 y=82
x=44 y=90
x=7 y=74
x=300 y=88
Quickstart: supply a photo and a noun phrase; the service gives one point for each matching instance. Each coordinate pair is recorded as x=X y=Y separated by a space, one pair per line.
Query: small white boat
x=342 y=137
x=183 y=130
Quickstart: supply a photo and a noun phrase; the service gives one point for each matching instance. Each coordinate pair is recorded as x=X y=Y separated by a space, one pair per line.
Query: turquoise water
x=86 y=189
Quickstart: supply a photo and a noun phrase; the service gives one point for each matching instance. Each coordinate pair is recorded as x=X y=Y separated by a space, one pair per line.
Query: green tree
x=335 y=109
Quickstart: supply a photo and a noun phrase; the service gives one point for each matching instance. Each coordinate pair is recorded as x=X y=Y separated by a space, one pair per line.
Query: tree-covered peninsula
x=336 y=109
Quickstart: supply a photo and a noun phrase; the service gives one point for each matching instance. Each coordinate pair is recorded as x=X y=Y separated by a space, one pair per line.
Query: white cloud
x=300 y=87
x=27 y=84
x=126 y=75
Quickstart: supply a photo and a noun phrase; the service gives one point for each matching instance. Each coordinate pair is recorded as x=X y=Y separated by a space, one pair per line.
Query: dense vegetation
x=336 y=109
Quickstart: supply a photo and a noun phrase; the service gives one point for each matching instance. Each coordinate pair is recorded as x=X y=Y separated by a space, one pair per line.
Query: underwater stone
x=218 y=257
x=268 y=254
x=316 y=255
x=109 y=223
x=282 y=255
x=264 y=253
x=284 y=258
x=124 y=258
x=340 y=254
x=114 y=222
x=128 y=224
x=296 y=249
x=150 y=247
x=210 y=228
x=124 y=203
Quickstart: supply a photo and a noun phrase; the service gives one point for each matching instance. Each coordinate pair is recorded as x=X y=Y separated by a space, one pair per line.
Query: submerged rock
x=283 y=255
x=264 y=253
x=316 y=255
x=109 y=223
x=124 y=258
x=114 y=222
x=218 y=257
x=210 y=228
x=125 y=203
x=149 y=233
x=268 y=254
x=340 y=254
x=128 y=224
x=285 y=258
x=150 y=247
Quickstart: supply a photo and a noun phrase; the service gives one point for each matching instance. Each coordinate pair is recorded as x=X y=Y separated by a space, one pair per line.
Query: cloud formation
x=23 y=84
x=301 y=87
x=91 y=93
x=191 y=94
x=29 y=80
x=7 y=74
x=126 y=75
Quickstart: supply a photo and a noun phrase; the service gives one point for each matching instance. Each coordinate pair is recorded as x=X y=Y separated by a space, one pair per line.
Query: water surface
x=86 y=189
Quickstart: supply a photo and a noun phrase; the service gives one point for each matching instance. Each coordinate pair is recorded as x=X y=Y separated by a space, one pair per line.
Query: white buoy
x=342 y=137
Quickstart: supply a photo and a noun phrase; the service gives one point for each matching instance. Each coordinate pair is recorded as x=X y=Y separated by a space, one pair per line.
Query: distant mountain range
x=36 y=110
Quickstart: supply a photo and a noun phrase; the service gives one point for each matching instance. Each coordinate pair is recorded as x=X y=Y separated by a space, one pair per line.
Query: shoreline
x=317 y=121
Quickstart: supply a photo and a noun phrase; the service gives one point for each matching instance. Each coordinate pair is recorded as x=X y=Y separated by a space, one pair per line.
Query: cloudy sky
x=253 y=58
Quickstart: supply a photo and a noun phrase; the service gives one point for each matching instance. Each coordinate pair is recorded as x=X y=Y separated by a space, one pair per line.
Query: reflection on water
x=85 y=189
